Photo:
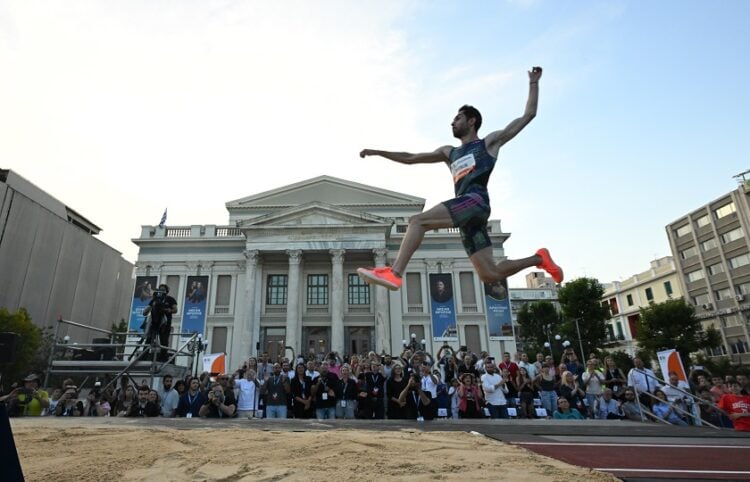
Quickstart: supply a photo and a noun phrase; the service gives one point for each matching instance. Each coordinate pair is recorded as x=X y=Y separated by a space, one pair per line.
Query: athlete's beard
x=458 y=133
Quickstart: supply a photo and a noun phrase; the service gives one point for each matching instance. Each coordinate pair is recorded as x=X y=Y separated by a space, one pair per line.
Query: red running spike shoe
x=549 y=266
x=381 y=276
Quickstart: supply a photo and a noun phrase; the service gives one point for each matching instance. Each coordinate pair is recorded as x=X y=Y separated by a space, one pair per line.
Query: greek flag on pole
x=163 y=218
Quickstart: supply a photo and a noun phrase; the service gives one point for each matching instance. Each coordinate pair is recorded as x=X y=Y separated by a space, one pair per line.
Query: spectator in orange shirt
x=737 y=406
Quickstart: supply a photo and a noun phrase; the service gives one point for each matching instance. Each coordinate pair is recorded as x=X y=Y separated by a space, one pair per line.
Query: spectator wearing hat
x=28 y=400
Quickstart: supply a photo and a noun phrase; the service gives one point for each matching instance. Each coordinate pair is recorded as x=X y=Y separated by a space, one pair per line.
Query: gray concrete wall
x=52 y=267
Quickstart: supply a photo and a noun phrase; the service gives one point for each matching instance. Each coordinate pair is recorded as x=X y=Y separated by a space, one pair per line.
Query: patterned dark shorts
x=470 y=213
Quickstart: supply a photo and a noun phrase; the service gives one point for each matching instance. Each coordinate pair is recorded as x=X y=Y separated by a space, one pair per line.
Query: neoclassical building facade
x=282 y=273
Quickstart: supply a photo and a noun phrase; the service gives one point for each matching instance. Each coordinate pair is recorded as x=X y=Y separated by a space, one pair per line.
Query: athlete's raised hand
x=365 y=152
x=534 y=74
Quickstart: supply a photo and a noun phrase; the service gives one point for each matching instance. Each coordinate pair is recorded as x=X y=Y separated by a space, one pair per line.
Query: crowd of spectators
x=414 y=386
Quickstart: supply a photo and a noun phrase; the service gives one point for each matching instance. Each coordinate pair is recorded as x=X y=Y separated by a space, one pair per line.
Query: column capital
x=295 y=256
x=251 y=255
x=337 y=255
x=380 y=256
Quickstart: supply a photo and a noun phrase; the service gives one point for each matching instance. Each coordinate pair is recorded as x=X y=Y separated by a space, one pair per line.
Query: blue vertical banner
x=499 y=319
x=142 y=294
x=194 y=314
x=443 y=307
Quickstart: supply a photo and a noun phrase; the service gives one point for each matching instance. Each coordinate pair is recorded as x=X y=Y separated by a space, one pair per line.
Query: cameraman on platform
x=161 y=307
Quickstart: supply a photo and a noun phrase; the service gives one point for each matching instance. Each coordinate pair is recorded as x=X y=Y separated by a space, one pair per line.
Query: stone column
x=248 y=319
x=337 y=300
x=293 y=327
x=382 y=323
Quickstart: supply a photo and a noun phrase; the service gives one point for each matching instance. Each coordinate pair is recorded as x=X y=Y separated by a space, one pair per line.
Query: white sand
x=72 y=450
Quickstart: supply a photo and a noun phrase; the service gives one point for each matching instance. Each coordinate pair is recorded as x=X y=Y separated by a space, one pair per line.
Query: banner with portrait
x=196 y=303
x=499 y=319
x=142 y=294
x=443 y=307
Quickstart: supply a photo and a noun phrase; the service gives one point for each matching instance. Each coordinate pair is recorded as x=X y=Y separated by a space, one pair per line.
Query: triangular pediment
x=327 y=190
x=313 y=214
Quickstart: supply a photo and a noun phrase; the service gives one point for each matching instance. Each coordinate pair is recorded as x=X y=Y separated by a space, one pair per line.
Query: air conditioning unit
x=707 y=306
x=739 y=297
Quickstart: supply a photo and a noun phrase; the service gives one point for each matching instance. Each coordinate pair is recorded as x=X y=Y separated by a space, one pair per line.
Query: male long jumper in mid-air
x=471 y=165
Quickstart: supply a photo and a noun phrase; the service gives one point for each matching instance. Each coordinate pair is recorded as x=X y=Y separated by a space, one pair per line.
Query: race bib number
x=324 y=396
x=189 y=415
x=343 y=403
x=442 y=412
x=463 y=166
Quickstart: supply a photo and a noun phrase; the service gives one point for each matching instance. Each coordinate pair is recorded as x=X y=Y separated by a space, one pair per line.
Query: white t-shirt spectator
x=248 y=395
x=494 y=396
x=169 y=401
x=428 y=385
x=595 y=385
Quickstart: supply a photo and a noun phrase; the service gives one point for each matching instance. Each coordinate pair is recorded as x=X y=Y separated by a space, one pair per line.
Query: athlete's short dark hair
x=471 y=112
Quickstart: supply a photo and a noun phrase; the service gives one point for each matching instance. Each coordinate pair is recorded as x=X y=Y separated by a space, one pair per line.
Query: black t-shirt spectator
x=150 y=409
x=327 y=381
x=347 y=389
x=375 y=385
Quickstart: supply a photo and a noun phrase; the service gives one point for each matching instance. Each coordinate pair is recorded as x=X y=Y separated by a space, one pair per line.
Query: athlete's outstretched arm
x=495 y=140
x=438 y=155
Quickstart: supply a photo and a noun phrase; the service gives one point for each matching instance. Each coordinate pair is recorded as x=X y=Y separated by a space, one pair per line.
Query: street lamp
x=549 y=345
x=195 y=347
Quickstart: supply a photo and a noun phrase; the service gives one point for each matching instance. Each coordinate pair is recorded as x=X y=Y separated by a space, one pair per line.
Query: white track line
x=676 y=471
x=626 y=445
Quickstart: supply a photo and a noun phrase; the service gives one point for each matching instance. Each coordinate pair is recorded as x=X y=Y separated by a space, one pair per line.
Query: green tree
x=672 y=324
x=27 y=348
x=581 y=303
x=534 y=318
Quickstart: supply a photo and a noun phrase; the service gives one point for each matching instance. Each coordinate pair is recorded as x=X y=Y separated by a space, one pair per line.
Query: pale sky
x=120 y=109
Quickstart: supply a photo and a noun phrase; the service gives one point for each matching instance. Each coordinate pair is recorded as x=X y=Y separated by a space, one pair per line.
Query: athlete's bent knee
x=487 y=276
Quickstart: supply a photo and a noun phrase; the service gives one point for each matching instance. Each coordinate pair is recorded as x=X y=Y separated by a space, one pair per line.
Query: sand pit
x=76 y=450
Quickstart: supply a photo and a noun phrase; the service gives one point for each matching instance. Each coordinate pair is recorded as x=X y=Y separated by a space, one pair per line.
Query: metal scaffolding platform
x=111 y=359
